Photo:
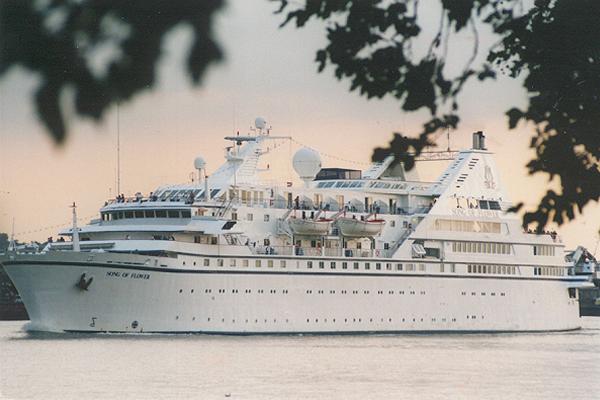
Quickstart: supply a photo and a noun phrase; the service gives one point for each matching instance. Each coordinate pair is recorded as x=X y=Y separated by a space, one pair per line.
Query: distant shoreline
x=13 y=312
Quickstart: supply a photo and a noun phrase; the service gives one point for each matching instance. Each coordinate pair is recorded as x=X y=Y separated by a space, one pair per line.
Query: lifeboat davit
x=310 y=226
x=360 y=228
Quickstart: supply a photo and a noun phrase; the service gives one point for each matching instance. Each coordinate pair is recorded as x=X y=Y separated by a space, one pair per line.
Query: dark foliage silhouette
x=106 y=51
x=554 y=47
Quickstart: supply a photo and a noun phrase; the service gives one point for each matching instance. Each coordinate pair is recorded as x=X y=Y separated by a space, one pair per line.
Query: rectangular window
x=398 y=267
x=232 y=262
x=266 y=217
x=219 y=262
x=270 y=263
x=257 y=263
x=378 y=266
x=282 y=263
x=207 y=262
x=128 y=214
x=173 y=214
x=441 y=267
x=367 y=265
x=344 y=265
x=309 y=264
x=421 y=267
x=249 y=217
x=245 y=263
x=321 y=264
x=355 y=265
x=388 y=266
x=139 y=214
x=332 y=264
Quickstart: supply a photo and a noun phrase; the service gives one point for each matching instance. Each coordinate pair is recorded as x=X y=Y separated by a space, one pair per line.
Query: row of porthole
x=308 y=291
x=346 y=320
x=483 y=294
x=379 y=292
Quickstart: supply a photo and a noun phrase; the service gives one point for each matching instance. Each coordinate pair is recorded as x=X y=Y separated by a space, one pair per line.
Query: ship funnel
x=479 y=141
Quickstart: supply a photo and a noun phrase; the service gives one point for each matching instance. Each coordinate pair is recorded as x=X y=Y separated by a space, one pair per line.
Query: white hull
x=271 y=301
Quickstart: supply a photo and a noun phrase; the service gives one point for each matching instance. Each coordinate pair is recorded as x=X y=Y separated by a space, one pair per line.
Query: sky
x=267 y=71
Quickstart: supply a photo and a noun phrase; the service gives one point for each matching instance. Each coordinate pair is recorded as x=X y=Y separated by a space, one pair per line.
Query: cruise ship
x=346 y=251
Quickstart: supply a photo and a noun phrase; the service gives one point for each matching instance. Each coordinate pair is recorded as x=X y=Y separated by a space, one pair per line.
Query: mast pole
x=118 y=151
x=75 y=233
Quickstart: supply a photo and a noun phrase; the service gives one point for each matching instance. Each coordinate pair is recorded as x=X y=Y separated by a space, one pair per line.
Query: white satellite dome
x=307 y=163
x=199 y=163
x=260 y=123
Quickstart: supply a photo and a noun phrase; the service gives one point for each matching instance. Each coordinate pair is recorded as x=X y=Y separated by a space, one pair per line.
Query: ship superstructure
x=349 y=251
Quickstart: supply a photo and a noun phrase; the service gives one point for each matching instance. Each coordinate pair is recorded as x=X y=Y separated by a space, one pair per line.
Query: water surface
x=491 y=366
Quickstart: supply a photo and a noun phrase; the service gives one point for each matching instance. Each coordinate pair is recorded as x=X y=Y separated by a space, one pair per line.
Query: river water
x=474 y=366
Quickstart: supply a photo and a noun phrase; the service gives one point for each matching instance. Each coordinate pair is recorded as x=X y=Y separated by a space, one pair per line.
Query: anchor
x=84 y=284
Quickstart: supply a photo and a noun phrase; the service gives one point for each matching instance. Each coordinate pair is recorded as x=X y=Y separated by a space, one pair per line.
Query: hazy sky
x=267 y=72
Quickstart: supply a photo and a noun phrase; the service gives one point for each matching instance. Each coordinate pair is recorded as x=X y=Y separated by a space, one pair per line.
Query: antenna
x=12 y=244
x=118 y=152
x=233 y=117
